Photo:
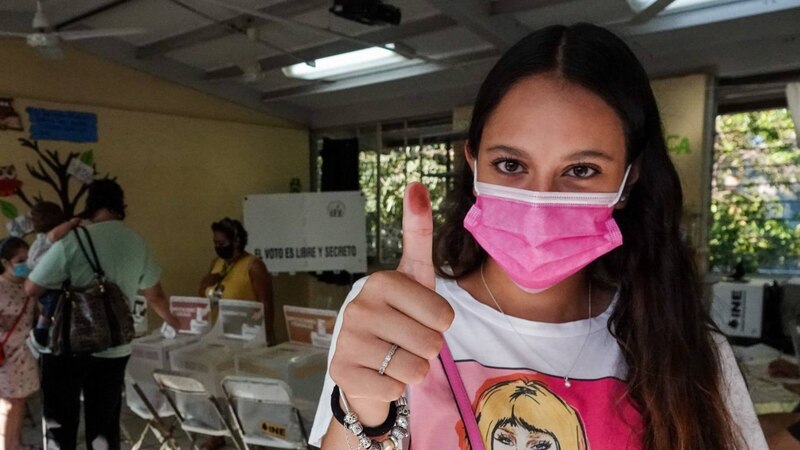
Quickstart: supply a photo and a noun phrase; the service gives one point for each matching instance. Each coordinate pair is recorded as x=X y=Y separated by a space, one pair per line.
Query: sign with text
x=309 y=325
x=53 y=125
x=308 y=232
x=737 y=307
x=193 y=313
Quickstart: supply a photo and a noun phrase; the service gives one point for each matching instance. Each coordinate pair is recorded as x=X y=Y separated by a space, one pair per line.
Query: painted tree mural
x=51 y=169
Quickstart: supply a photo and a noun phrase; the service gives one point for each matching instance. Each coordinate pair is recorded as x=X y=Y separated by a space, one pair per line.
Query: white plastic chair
x=156 y=424
x=197 y=410
x=263 y=412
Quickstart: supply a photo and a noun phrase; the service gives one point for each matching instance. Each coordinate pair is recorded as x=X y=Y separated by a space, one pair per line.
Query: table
x=767 y=392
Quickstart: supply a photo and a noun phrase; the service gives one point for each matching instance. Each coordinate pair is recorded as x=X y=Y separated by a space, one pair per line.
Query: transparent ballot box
x=301 y=367
x=264 y=411
x=211 y=358
x=150 y=353
x=208 y=360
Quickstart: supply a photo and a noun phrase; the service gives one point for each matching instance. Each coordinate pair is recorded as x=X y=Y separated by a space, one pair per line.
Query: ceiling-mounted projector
x=368 y=12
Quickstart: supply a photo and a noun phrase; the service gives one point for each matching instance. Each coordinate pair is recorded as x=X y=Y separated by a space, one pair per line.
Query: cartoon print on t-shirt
x=517 y=413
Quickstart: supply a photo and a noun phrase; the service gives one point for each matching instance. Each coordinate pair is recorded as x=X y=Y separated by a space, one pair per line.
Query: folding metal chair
x=263 y=413
x=157 y=423
x=197 y=410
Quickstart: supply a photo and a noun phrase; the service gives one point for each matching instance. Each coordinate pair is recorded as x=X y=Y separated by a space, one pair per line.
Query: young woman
x=561 y=262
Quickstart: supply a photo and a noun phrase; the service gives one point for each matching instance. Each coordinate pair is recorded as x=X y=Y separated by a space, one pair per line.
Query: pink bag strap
x=462 y=399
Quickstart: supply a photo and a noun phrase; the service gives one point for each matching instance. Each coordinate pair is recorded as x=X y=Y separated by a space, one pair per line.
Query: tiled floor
x=132 y=426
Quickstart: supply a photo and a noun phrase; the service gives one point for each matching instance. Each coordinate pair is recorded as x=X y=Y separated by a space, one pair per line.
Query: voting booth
x=308 y=232
x=301 y=367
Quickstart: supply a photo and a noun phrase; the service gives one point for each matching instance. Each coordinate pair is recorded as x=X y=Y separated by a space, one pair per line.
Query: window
x=391 y=156
x=384 y=175
x=755 y=204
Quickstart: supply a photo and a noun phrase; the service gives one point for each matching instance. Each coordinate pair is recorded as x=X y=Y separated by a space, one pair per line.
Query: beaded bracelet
x=396 y=424
x=380 y=430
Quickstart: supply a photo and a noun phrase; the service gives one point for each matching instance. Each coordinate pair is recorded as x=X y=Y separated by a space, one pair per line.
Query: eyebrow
x=576 y=156
x=586 y=154
x=506 y=149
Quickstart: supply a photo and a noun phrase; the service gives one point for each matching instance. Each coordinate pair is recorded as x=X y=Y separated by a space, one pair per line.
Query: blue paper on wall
x=53 y=125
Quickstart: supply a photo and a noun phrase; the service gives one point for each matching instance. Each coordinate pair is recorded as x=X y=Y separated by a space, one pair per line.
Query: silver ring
x=387 y=359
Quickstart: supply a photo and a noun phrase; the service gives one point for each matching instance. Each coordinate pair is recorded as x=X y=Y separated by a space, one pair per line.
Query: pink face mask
x=542 y=238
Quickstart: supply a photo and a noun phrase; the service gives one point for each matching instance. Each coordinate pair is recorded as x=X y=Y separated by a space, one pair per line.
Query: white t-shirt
x=518 y=391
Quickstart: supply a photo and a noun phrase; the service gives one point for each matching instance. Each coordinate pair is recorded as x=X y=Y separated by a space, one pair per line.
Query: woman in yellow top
x=236 y=274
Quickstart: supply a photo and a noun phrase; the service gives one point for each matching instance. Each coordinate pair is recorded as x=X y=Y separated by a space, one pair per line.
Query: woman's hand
x=394 y=307
x=172 y=321
x=783 y=369
x=210 y=279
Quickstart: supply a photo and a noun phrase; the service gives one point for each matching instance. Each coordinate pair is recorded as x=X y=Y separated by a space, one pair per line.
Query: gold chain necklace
x=567 y=383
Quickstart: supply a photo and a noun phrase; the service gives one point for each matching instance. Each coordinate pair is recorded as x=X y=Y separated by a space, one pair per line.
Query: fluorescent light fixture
x=348 y=64
x=640 y=5
x=687 y=4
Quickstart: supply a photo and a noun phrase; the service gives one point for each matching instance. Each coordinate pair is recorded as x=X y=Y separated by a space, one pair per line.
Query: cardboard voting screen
x=193 y=313
x=309 y=325
x=241 y=319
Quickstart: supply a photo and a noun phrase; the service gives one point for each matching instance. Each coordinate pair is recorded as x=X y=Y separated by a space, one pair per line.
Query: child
x=50 y=224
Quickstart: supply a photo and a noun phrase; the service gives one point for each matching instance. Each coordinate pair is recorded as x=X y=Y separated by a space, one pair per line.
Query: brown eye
x=508 y=166
x=581 y=171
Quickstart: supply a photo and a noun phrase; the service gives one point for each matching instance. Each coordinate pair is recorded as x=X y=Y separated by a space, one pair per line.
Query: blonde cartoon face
x=517 y=413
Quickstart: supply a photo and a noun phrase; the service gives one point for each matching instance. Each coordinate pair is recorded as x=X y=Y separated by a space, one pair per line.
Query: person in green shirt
x=127 y=262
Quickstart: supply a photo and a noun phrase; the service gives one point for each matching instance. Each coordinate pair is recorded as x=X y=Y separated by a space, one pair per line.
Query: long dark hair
x=659 y=320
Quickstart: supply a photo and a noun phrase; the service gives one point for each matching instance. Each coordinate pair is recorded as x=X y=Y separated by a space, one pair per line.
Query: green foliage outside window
x=383 y=188
x=755 y=204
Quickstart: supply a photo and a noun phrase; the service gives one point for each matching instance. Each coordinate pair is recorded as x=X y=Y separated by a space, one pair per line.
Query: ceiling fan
x=251 y=68
x=47 y=41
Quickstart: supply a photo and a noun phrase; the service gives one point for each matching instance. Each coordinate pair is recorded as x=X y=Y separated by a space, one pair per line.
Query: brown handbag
x=92 y=318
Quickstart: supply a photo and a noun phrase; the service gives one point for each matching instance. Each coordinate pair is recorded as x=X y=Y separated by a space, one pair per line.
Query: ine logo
x=336 y=208
x=738 y=302
x=273 y=429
